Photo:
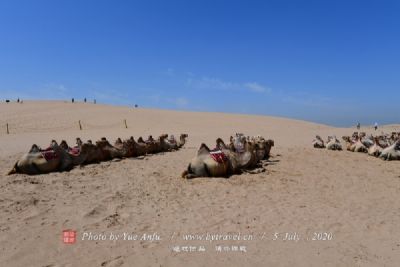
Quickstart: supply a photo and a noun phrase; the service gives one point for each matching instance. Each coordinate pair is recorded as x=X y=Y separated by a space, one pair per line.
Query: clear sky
x=335 y=62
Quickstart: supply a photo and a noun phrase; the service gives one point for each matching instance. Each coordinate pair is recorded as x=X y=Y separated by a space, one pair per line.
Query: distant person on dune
x=358 y=126
x=376 y=126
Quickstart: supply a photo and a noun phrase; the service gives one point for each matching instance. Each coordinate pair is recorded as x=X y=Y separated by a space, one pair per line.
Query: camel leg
x=14 y=169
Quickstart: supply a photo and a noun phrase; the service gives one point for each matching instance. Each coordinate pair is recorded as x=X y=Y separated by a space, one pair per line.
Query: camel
x=246 y=159
x=155 y=146
x=140 y=147
x=333 y=143
x=355 y=144
x=204 y=165
x=392 y=152
x=359 y=146
x=318 y=142
x=264 y=146
x=375 y=149
x=38 y=161
x=127 y=147
x=172 y=144
x=182 y=140
x=109 y=152
x=152 y=146
x=72 y=150
x=221 y=162
x=367 y=141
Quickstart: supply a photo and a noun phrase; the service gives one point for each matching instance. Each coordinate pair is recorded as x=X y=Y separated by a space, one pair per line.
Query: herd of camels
x=61 y=157
x=242 y=154
x=384 y=146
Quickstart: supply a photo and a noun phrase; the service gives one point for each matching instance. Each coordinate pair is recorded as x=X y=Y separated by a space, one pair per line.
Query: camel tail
x=14 y=169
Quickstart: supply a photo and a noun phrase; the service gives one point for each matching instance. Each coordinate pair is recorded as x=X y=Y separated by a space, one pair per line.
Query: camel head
x=78 y=142
x=271 y=142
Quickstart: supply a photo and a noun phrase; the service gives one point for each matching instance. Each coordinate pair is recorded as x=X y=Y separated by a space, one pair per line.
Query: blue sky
x=335 y=62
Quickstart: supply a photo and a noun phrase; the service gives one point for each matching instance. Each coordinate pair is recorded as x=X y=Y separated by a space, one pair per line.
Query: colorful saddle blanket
x=218 y=156
x=74 y=151
x=49 y=154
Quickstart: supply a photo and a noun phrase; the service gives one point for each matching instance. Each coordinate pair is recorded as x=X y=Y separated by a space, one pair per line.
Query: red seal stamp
x=69 y=236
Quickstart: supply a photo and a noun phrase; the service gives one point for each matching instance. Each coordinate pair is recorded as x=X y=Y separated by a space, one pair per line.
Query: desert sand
x=352 y=196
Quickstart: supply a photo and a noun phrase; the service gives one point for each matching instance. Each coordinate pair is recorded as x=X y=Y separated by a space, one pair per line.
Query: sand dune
x=304 y=191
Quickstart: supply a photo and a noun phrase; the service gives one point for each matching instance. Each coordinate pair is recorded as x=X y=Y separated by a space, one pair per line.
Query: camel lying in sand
x=333 y=143
x=205 y=165
x=224 y=160
x=263 y=149
x=63 y=158
x=355 y=144
x=375 y=149
x=392 y=152
x=318 y=142
x=172 y=144
x=154 y=146
x=54 y=158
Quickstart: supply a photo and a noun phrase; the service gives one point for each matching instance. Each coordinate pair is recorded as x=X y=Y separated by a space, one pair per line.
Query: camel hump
x=34 y=148
x=219 y=140
x=78 y=141
x=203 y=149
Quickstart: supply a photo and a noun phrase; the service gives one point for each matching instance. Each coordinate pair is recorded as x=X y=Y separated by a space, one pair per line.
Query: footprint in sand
x=96 y=211
x=116 y=262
